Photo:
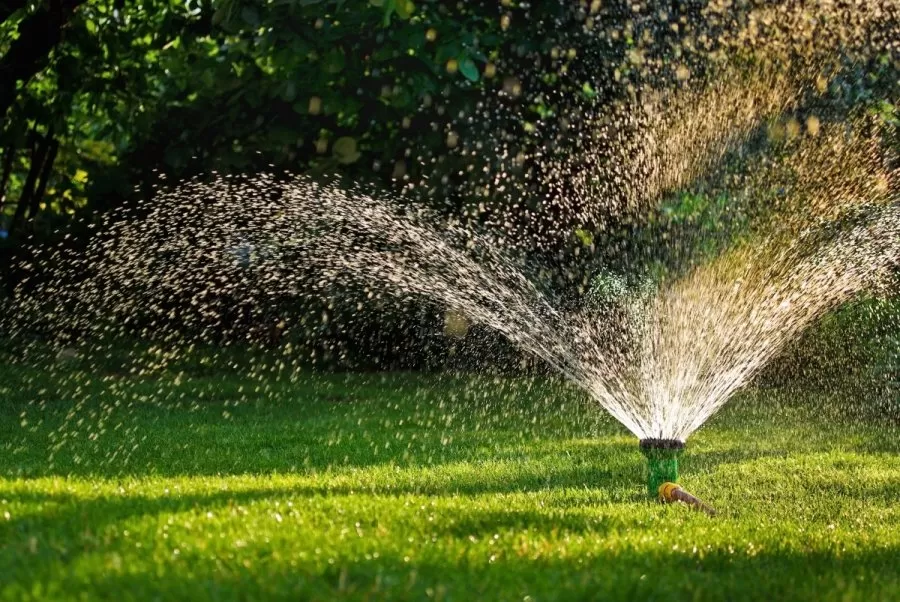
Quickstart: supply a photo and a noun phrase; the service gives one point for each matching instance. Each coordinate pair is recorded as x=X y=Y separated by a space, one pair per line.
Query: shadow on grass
x=204 y=430
x=61 y=508
x=71 y=528
x=610 y=462
x=283 y=442
x=342 y=422
x=590 y=486
x=68 y=520
x=620 y=573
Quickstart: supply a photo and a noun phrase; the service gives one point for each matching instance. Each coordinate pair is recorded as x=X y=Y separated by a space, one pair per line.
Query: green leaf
x=543 y=110
x=345 y=151
x=469 y=70
x=289 y=93
x=404 y=8
x=250 y=16
x=334 y=62
x=389 y=7
x=584 y=236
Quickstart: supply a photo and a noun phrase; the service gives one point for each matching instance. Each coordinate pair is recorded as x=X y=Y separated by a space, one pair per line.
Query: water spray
x=662 y=462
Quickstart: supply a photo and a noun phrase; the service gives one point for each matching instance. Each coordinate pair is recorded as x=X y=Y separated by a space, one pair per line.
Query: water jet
x=723 y=295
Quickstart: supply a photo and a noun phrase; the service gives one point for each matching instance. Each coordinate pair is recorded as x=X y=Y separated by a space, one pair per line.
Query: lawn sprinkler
x=670 y=492
x=662 y=461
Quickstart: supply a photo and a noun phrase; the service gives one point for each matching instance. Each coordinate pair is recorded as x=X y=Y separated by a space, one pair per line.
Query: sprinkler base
x=662 y=462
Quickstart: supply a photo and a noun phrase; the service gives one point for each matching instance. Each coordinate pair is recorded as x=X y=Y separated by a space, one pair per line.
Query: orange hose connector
x=671 y=492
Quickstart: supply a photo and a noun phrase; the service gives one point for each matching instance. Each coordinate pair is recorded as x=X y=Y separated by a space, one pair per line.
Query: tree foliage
x=100 y=100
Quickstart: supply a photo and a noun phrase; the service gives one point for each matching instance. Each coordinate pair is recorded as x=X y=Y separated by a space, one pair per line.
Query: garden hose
x=670 y=492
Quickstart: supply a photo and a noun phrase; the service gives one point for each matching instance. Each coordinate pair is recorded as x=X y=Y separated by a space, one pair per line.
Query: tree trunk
x=46 y=170
x=38 y=155
x=38 y=34
x=8 y=157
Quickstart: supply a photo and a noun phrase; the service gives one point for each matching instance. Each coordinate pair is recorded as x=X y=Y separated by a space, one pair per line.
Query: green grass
x=408 y=487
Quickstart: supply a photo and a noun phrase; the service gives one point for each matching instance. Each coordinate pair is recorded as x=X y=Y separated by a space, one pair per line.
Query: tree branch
x=39 y=33
x=8 y=7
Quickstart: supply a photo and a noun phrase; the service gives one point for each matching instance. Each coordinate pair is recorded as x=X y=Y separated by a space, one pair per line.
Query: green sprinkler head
x=662 y=460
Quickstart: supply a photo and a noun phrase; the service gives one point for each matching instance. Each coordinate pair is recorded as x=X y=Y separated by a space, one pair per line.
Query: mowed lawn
x=407 y=487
